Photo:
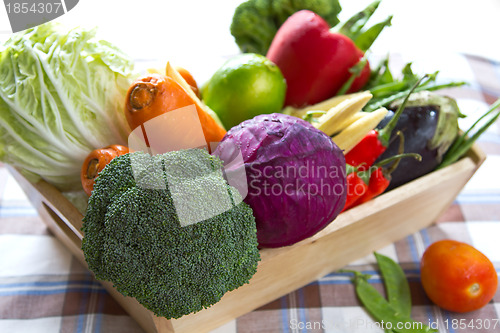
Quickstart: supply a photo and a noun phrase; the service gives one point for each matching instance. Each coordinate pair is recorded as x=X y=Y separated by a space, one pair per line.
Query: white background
x=195 y=33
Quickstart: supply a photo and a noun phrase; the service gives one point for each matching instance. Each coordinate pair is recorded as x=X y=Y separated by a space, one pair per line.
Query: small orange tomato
x=457 y=277
x=96 y=161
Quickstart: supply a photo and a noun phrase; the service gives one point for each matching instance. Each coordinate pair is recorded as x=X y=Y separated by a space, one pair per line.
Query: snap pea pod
x=396 y=284
x=389 y=318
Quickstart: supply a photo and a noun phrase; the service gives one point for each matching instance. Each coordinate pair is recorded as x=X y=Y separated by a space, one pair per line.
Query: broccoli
x=142 y=234
x=255 y=22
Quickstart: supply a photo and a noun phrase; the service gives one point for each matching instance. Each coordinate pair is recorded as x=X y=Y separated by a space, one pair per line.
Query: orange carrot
x=156 y=94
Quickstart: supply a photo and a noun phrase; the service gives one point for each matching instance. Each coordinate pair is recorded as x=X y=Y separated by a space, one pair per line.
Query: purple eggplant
x=429 y=124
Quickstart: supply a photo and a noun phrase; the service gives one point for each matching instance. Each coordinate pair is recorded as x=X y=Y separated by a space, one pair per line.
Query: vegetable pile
x=179 y=203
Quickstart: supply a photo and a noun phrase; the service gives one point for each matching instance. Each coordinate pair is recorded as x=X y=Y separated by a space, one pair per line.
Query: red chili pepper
x=374 y=144
x=379 y=182
x=373 y=181
x=356 y=187
x=366 y=151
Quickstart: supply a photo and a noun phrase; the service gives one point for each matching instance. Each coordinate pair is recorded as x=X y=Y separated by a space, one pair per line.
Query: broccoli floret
x=255 y=22
x=143 y=232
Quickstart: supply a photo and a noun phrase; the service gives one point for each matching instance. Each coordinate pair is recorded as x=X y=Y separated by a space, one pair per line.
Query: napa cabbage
x=61 y=96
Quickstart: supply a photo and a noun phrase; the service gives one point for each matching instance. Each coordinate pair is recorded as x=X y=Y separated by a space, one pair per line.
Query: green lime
x=245 y=86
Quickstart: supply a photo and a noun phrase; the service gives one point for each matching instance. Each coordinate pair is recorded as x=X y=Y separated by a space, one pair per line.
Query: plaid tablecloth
x=44 y=289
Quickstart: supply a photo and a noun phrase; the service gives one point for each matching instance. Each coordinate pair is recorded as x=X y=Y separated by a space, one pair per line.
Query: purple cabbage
x=295 y=176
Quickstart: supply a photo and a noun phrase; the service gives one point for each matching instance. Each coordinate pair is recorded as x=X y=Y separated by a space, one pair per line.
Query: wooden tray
x=354 y=234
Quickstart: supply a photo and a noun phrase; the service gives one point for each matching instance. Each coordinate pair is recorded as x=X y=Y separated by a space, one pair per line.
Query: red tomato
x=457 y=277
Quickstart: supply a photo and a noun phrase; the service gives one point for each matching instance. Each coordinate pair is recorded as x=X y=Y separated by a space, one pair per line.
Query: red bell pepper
x=319 y=62
x=314 y=61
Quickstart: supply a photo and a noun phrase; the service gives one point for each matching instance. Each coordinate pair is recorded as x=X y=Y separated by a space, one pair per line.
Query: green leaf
x=354 y=25
x=381 y=74
x=408 y=75
x=376 y=103
x=387 y=89
x=463 y=143
x=355 y=72
x=365 y=39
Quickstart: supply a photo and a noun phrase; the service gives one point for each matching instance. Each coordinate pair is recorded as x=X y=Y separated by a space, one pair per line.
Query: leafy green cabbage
x=61 y=96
